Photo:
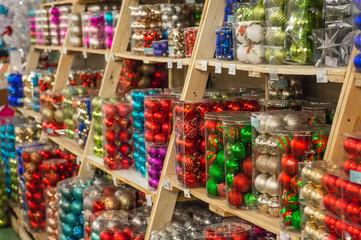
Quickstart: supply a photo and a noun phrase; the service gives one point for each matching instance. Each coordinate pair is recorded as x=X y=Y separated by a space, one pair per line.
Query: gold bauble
x=126 y=201
x=144 y=82
x=111 y=203
x=148 y=69
x=308 y=213
x=317 y=196
x=48 y=114
x=319 y=218
x=306 y=173
x=59 y=116
x=306 y=192
x=310 y=230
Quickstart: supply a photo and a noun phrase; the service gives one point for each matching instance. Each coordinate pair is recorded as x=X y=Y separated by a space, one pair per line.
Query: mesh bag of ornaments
x=117 y=134
x=227 y=231
x=286 y=88
x=106 y=197
x=70 y=205
x=51 y=113
x=302 y=143
x=265 y=156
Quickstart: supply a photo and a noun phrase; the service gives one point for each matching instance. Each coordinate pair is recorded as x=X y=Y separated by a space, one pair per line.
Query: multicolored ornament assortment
x=52 y=114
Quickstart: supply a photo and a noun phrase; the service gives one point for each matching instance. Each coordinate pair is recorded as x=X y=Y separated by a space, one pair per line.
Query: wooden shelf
x=130 y=177
x=68 y=144
x=29 y=113
x=88 y=50
x=220 y=207
x=336 y=75
x=48 y=48
x=145 y=59
x=57 y=3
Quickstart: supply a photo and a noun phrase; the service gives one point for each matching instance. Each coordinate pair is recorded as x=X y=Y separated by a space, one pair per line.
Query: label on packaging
x=355 y=176
x=85 y=55
x=148 y=51
x=255 y=122
x=149 y=199
x=204 y=65
x=232 y=69
x=187 y=193
x=321 y=76
x=50 y=131
x=273 y=74
x=170 y=63
x=331 y=61
x=115 y=182
x=218 y=68
x=281 y=83
x=284 y=236
x=179 y=64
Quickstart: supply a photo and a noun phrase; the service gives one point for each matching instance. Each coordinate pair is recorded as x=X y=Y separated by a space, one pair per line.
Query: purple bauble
x=154 y=173
x=158 y=163
x=54 y=11
x=109 y=30
x=109 y=43
x=162 y=152
x=153 y=183
x=153 y=152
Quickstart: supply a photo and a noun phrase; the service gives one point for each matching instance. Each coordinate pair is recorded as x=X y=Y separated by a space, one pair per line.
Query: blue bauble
x=138 y=106
x=357 y=62
x=62 y=216
x=77 y=207
x=71 y=219
x=135 y=115
x=141 y=160
x=67 y=230
x=78 y=232
x=135 y=155
x=143 y=170
x=66 y=193
x=135 y=95
x=358 y=21
x=357 y=42
x=65 y=205
x=142 y=139
x=358 y=4
x=135 y=136
x=78 y=193
x=138 y=125
x=142 y=95
x=109 y=18
x=81 y=219
x=141 y=115
x=95 y=236
x=63 y=237
x=137 y=165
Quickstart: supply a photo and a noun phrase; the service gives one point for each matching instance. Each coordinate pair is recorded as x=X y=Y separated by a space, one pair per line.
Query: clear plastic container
x=52 y=114
x=225 y=45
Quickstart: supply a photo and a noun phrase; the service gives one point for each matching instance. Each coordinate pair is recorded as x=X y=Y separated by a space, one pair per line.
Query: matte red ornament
x=350 y=146
x=242 y=183
x=341 y=186
x=124 y=109
x=285 y=180
x=349 y=164
x=124 y=136
x=110 y=136
x=235 y=198
x=300 y=145
x=341 y=228
x=247 y=166
x=110 y=111
x=352 y=191
x=111 y=150
x=330 y=223
x=180 y=159
x=329 y=182
x=341 y=206
x=126 y=149
x=289 y=164
x=353 y=211
x=160 y=138
x=109 y=191
x=160 y=117
x=121 y=236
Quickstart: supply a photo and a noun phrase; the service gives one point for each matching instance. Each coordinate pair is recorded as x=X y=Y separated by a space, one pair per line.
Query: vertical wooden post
x=33 y=59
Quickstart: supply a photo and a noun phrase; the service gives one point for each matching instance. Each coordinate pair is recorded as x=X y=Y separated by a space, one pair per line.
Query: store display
x=51 y=113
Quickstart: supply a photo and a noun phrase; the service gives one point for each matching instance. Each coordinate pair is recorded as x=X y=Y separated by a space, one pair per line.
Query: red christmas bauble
x=300 y=145
x=329 y=182
x=341 y=206
x=37 y=197
x=204 y=108
x=36 y=157
x=121 y=236
x=110 y=111
x=210 y=125
x=203 y=179
x=329 y=202
x=350 y=146
x=215 y=143
x=124 y=109
x=180 y=160
x=190 y=146
x=330 y=223
x=166 y=105
x=124 y=136
x=25 y=157
x=152 y=105
x=189 y=111
x=106 y=235
x=349 y=164
x=354 y=232
x=202 y=165
x=202 y=146
x=98 y=205
x=221 y=188
x=341 y=186
x=352 y=191
x=160 y=116
x=110 y=137
x=220 y=107
x=149 y=136
x=187 y=128
x=125 y=123
x=126 y=162
x=152 y=127
x=201 y=128
x=285 y=180
x=247 y=166
x=190 y=179
x=289 y=164
x=235 y=198
x=234 y=106
x=160 y=138
x=191 y=163
x=111 y=163
x=242 y=183
x=250 y=105
x=353 y=211
x=166 y=127
x=148 y=115
x=53 y=178
x=111 y=150
x=341 y=228
x=126 y=149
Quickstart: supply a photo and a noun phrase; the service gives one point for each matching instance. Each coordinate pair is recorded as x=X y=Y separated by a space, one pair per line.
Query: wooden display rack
x=199 y=66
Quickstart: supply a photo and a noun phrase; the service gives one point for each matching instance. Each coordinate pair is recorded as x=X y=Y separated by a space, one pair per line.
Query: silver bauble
x=262 y=123
x=292 y=120
x=260 y=143
x=274 y=206
x=260 y=182
x=272 y=165
x=273 y=123
x=262 y=203
x=98 y=225
x=261 y=163
x=272 y=186
x=88 y=203
x=273 y=94
x=272 y=145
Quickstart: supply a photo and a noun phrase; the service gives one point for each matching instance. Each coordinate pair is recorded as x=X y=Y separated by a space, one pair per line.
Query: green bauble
x=296 y=219
x=301 y=52
x=212 y=188
x=279 y=55
x=246 y=134
x=229 y=180
x=291 y=200
x=277 y=17
x=98 y=139
x=232 y=166
x=244 y=13
x=220 y=159
x=97 y=127
x=77 y=207
x=301 y=23
x=259 y=13
x=268 y=54
x=238 y=150
x=275 y=36
x=216 y=173
x=250 y=200
x=277 y=3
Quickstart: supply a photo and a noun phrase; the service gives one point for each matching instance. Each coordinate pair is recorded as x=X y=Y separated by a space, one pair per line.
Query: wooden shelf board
x=145 y=59
x=336 y=75
x=68 y=144
x=130 y=177
x=220 y=207
x=56 y=3
x=88 y=50
x=29 y=113
x=48 y=48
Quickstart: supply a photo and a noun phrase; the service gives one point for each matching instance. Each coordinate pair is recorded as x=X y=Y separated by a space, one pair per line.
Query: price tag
x=166 y=184
x=115 y=182
x=149 y=199
x=331 y=61
x=218 y=68
x=273 y=74
x=50 y=131
x=49 y=49
x=204 y=65
x=321 y=76
x=255 y=122
x=190 y=1
x=77 y=161
x=106 y=57
x=179 y=64
x=187 y=194
x=112 y=57
x=284 y=236
x=232 y=69
x=170 y=63
x=87 y=166
x=52 y=5
x=65 y=50
x=85 y=54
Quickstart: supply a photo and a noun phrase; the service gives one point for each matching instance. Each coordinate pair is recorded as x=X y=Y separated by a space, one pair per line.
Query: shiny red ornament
x=341 y=206
x=235 y=198
x=190 y=146
x=190 y=179
x=341 y=186
x=152 y=127
x=166 y=105
x=329 y=182
x=125 y=123
x=285 y=180
x=234 y=106
x=121 y=236
x=341 y=228
x=98 y=205
x=250 y=105
x=330 y=223
x=160 y=116
x=350 y=146
x=148 y=115
x=210 y=125
x=349 y=164
x=111 y=150
x=160 y=138
x=109 y=191
x=111 y=163
x=221 y=188
x=166 y=127
x=124 y=109
x=329 y=202
x=110 y=111
x=126 y=149
x=189 y=111
x=220 y=107
x=202 y=165
x=126 y=162
x=149 y=136
x=354 y=232
x=25 y=157
x=202 y=146
x=191 y=163
x=242 y=183
x=124 y=136
x=110 y=137
x=247 y=166
x=352 y=191
x=106 y=235
x=300 y=145
x=203 y=108
x=289 y=164
x=151 y=105
x=353 y=211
